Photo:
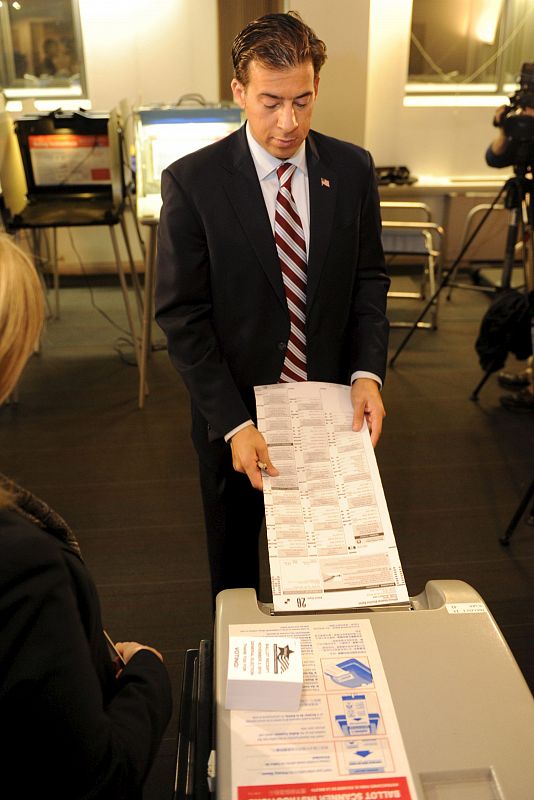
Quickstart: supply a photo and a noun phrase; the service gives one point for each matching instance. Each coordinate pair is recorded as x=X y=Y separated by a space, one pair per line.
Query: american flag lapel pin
x=325 y=182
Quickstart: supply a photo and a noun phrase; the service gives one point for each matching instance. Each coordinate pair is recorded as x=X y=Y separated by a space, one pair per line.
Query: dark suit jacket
x=69 y=728
x=219 y=291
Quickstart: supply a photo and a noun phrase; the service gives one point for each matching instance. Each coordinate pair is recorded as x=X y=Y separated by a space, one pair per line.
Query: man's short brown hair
x=276 y=41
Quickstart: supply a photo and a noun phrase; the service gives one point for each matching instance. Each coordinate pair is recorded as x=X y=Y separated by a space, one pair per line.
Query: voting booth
x=61 y=170
x=161 y=135
x=165 y=133
x=346 y=688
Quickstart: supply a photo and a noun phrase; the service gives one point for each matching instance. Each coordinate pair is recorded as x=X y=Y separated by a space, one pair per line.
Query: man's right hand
x=249 y=449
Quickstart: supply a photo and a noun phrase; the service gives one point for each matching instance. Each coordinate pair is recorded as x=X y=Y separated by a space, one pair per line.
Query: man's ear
x=238 y=91
x=316 y=85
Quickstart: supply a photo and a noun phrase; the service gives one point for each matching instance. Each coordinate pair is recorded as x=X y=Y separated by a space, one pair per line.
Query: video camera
x=514 y=122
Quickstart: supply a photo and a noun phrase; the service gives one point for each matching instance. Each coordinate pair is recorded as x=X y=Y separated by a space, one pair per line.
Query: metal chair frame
x=471 y=221
x=421 y=239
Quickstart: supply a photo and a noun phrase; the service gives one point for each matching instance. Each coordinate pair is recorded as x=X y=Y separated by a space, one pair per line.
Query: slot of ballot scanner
x=464 y=712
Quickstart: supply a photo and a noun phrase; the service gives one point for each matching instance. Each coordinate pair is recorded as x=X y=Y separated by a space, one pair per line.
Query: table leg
x=146 y=338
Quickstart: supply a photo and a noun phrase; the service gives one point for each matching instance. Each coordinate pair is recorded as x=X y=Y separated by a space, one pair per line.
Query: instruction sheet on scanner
x=343 y=743
x=330 y=540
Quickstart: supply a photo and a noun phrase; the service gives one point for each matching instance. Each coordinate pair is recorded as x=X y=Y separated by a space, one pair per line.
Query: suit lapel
x=245 y=195
x=322 y=181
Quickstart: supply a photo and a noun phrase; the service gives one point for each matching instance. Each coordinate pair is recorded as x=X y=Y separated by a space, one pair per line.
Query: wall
x=389 y=32
x=344 y=27
x=155 y=52
x=145 y=53
x=149 y=52
x=430 y=141
x=362 y=91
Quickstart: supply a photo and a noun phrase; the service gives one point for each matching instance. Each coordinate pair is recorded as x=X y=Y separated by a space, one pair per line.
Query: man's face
x=279 y=105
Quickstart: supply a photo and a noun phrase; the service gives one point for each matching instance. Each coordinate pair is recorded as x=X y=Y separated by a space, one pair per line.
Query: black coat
x=219 y=293
x=69 y=728
x=505 y=328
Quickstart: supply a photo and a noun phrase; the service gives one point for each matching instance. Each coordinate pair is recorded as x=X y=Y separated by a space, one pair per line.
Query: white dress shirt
x=266 y=166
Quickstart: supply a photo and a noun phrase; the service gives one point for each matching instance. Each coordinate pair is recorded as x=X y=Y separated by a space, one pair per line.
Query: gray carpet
x=453 y=473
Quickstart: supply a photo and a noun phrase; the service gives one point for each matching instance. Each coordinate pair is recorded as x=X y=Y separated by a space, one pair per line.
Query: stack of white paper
x=331 y=543
x=264 y=673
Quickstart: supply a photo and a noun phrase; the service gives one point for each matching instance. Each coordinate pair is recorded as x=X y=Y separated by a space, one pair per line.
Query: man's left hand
x=367 y=403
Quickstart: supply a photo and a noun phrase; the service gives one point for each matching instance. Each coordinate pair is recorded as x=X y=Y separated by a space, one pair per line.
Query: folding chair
x=410 y=237
x=494 y=232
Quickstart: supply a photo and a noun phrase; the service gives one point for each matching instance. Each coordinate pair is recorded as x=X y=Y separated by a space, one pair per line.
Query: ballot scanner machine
x=464 y=710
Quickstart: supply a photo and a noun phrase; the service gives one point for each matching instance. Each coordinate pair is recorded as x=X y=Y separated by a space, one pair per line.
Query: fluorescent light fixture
x=66 y=105
x=449 y=88
x=14 y=106
x=41 y=91
x=452 y=101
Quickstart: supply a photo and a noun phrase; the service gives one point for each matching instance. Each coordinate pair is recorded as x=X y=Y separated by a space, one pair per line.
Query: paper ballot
x=330 y=540
x=264 y=673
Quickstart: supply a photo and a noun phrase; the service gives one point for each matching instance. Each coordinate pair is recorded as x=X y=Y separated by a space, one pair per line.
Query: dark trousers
x=233 y=515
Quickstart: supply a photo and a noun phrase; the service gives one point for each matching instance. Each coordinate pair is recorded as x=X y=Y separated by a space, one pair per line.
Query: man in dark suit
x=222 y=294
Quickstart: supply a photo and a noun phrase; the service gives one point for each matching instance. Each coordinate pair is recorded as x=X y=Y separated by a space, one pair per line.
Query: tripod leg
x=509 y=253
x=474 y=395
x=444 y=281
x=505 y=540
x=528 y=249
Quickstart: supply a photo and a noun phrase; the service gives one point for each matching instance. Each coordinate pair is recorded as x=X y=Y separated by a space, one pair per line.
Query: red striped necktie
x=291 y=246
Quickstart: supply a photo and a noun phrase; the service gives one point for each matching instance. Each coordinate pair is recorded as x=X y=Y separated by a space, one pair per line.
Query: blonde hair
x=21 y=317
x=21 y=312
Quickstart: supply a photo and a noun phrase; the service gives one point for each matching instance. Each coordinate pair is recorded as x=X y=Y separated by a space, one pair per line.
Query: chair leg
x=432 y=289
x=124 y=287
x=452 y=279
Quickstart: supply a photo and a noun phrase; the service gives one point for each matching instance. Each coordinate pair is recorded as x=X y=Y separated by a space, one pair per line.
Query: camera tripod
x=518 y=198
x=520 y=510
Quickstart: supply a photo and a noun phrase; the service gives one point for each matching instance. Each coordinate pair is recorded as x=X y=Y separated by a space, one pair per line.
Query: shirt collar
x=265 y=163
